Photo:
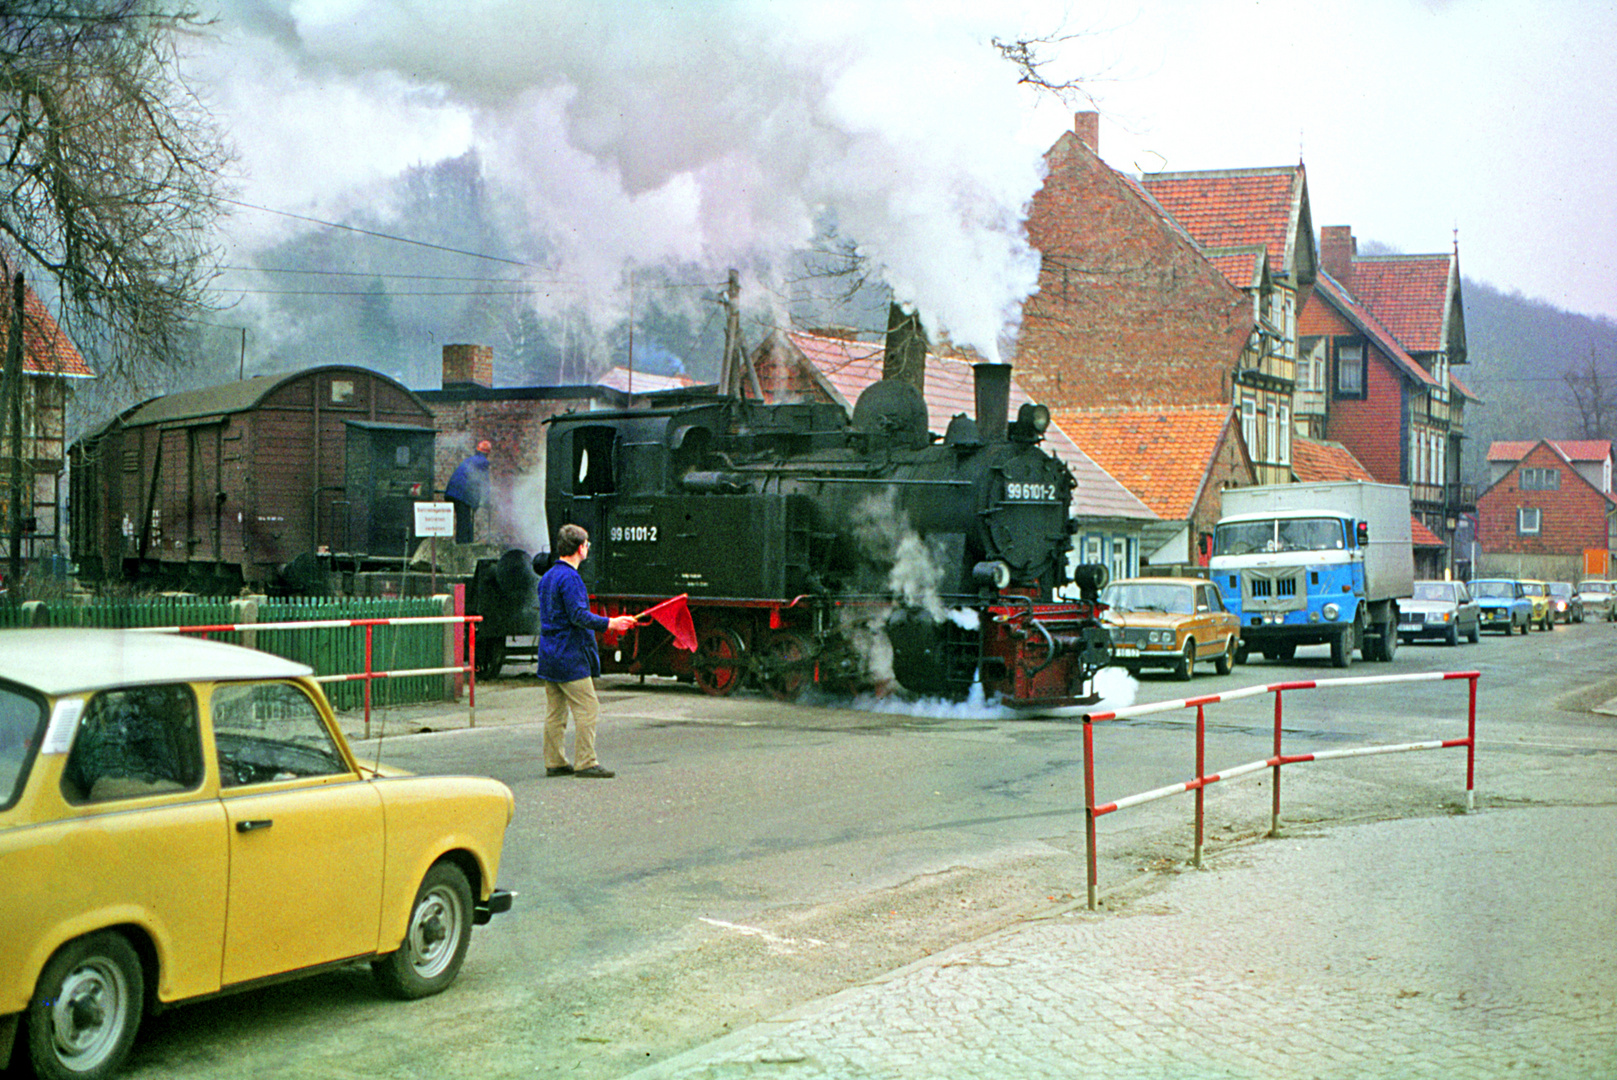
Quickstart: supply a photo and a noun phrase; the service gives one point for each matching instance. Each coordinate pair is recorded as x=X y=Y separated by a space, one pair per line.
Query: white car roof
x=71 y=661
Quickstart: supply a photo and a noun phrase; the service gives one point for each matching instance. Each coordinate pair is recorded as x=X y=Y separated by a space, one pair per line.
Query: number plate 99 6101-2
x=645 y=534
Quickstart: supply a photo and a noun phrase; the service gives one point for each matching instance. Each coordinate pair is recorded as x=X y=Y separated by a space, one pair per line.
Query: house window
x=1283 y=450
x=1120 y=557
x=1529 y=520
x=1271 y=451
x=1249 y=424
x=1311 y=364
x=1092 y=549
x=1350 y=368
x=1541 y=480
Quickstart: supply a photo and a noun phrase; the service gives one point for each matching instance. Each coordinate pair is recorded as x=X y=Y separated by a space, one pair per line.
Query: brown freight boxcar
x=228 y=485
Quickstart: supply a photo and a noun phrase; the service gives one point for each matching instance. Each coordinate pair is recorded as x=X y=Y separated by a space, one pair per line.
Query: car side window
x=142 y=740
x=270 y=731
x=22 y=722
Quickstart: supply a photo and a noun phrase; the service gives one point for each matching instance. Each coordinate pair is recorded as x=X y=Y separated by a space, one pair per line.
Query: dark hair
x=569 y=538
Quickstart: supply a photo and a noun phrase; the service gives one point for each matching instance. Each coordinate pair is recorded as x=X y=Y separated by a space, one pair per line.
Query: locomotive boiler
x=819 y=549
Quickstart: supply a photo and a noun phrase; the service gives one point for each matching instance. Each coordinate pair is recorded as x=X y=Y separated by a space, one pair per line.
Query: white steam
x=717 y=133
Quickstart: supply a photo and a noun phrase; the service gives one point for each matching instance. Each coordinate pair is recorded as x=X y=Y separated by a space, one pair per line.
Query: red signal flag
x=674 y=616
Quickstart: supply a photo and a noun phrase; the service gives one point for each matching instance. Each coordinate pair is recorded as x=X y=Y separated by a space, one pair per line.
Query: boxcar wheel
x=720 y=662
x=434 y=945
x=86 y=1009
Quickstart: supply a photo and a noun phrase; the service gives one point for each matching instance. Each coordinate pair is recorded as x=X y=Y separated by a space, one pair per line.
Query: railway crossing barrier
x=1203 y=779
x=469 y=668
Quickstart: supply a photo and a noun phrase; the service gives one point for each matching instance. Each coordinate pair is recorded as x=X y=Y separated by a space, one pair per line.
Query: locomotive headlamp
x=991 y=573
x=1031 y=421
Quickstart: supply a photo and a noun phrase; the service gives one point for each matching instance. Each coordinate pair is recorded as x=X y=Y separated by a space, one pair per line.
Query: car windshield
x=1532 y=588
x=1493 y=590
x=1594 y=587
x=1560 y=588
x=1148 y=596
x=22 y=721
x=1434 y=590
x=1284 y=534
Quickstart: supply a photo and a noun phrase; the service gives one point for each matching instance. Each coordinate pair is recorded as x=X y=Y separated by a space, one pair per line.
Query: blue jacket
x=470 y=482
x=567 y=627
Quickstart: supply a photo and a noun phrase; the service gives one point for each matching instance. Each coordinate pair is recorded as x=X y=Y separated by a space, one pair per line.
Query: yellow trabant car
x=1543 y=604
x=1171 y=623
x=180 y=817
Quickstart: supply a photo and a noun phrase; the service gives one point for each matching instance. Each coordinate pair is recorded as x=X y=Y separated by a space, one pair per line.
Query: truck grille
x=1273 y=590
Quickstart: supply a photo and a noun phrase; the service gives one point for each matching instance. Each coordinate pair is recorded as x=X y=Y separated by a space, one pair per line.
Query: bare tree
x=1033 y=61
x=109 y=181
x=1594 y=396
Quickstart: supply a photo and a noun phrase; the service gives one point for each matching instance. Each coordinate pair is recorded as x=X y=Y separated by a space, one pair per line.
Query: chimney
x=993 y=385
x=1086 y=125
x=468 y=365
x=904 y=358
x=1337 y=249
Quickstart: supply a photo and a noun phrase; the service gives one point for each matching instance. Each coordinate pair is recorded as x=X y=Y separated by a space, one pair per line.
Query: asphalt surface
x=1452 y=944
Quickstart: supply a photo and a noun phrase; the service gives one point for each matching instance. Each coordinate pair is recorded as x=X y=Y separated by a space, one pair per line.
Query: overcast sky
x=698 y=130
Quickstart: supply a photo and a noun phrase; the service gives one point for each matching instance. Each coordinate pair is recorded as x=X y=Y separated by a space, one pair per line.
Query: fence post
x=452 y=603
x=1089 y=808
x=35 y=613
x=245 y=610
x=1274 y=811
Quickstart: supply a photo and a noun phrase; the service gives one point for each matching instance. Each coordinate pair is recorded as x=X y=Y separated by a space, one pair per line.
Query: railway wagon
x=271 y=482
x=816 y=548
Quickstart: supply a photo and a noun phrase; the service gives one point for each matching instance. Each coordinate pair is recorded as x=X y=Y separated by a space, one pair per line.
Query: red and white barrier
x=1203 y=778
x=469 y=669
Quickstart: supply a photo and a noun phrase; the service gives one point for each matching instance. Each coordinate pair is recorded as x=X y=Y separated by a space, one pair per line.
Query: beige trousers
x=579 y=697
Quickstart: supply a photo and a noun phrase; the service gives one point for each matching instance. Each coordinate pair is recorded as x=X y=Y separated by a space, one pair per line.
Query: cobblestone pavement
x=1454 y=947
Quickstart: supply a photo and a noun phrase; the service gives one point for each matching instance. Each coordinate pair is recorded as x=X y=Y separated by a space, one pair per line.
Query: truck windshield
x=1283 y=534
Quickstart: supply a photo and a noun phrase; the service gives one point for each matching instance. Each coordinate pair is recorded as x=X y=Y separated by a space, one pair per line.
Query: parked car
x=1539 y=593
x=1598 y=599
x=1503 y=604
x=1169 y=622
x=180 y=817
x=1441 y=609
x=1566 y=603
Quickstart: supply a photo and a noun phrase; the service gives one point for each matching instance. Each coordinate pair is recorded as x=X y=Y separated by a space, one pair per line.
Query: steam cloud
x=718 y=133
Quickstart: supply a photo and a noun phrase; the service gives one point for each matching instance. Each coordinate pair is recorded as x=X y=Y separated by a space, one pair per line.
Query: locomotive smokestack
x=904 y=358
x=993 y=383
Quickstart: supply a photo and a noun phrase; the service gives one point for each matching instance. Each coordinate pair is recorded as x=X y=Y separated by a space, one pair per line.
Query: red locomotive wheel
x=720 y=663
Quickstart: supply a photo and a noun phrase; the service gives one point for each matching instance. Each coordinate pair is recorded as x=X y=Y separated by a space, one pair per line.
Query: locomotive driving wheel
x=720 y=663
x=788 y=665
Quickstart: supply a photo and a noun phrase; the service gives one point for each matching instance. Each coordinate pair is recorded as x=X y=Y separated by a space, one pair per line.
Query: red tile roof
x=1421 y=536
x=1236 y=207
x=1315 y=462
x=1161 y=455
x=1372 y=328
x=1241 y=267
x=1571 y=449
x=47 y=349
x=849 y=367
x=1409 y=294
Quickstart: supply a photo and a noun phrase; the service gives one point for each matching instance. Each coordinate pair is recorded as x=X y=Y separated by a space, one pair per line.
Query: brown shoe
x=595 y=772
x=558 y=770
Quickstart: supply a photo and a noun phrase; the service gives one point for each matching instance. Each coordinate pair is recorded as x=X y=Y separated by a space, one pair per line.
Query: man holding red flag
x=568 y=658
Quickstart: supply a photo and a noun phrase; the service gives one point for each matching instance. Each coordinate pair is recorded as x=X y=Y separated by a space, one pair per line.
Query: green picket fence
x=329 y=651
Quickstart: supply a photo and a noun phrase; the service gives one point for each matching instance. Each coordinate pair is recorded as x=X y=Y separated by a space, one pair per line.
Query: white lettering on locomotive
x=1030 y=492
x=633 y=533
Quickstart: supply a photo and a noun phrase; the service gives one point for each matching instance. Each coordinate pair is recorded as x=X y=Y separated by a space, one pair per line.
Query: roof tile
x=1161 y=455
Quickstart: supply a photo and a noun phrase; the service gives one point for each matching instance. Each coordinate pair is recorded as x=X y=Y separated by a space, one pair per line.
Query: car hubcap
x=433 y=932
x=86 y=1017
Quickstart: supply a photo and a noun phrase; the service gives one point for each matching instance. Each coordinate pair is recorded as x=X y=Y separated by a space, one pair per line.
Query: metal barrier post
x=1201 y=782
x=1089 y=808
x=1274 y=810
x=1471 y=748
x=368 y=629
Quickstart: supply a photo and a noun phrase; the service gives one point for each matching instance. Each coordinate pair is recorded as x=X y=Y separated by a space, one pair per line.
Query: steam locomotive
x=816 y=549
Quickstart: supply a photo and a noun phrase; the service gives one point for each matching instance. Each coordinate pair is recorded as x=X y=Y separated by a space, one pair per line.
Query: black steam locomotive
x=819 y=550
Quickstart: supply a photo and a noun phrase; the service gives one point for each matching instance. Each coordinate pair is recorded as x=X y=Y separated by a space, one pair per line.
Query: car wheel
x=434 y=945
x=1241 y=652
x=1187 y=662
x=1475 y=635
x=1453 y=636
x=1226 y=659
x=86 y=1009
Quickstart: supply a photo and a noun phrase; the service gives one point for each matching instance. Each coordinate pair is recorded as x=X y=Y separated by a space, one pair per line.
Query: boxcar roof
x=240 y=396
x=64 y=661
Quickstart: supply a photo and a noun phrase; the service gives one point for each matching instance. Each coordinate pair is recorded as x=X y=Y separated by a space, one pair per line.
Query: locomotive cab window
x=593 y=472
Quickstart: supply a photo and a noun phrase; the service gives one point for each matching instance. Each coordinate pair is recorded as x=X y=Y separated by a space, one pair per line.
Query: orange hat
x=484 y=447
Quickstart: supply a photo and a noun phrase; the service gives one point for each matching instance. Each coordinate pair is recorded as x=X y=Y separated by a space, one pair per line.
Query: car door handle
x=252 y=824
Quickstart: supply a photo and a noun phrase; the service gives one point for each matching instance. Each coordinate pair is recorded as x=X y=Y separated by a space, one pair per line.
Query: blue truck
x=1311 y=564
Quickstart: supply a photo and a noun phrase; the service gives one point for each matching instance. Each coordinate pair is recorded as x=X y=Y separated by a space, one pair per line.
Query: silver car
x=1440 y=609
x=1599 y=601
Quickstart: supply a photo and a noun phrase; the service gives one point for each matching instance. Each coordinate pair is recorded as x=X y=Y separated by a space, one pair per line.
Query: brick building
x=1377 y=345
x=1169 y=290
x=1541 y=516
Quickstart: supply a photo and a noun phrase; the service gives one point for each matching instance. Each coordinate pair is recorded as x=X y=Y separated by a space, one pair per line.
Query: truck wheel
x=1342 y=648
x=1240 y=653
x=1389 y=643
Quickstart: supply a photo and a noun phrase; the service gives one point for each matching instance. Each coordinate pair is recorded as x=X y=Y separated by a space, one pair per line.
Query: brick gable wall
x=514 y=515
x=1127 y=314
x=1572 y=519
x=1374 y=429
